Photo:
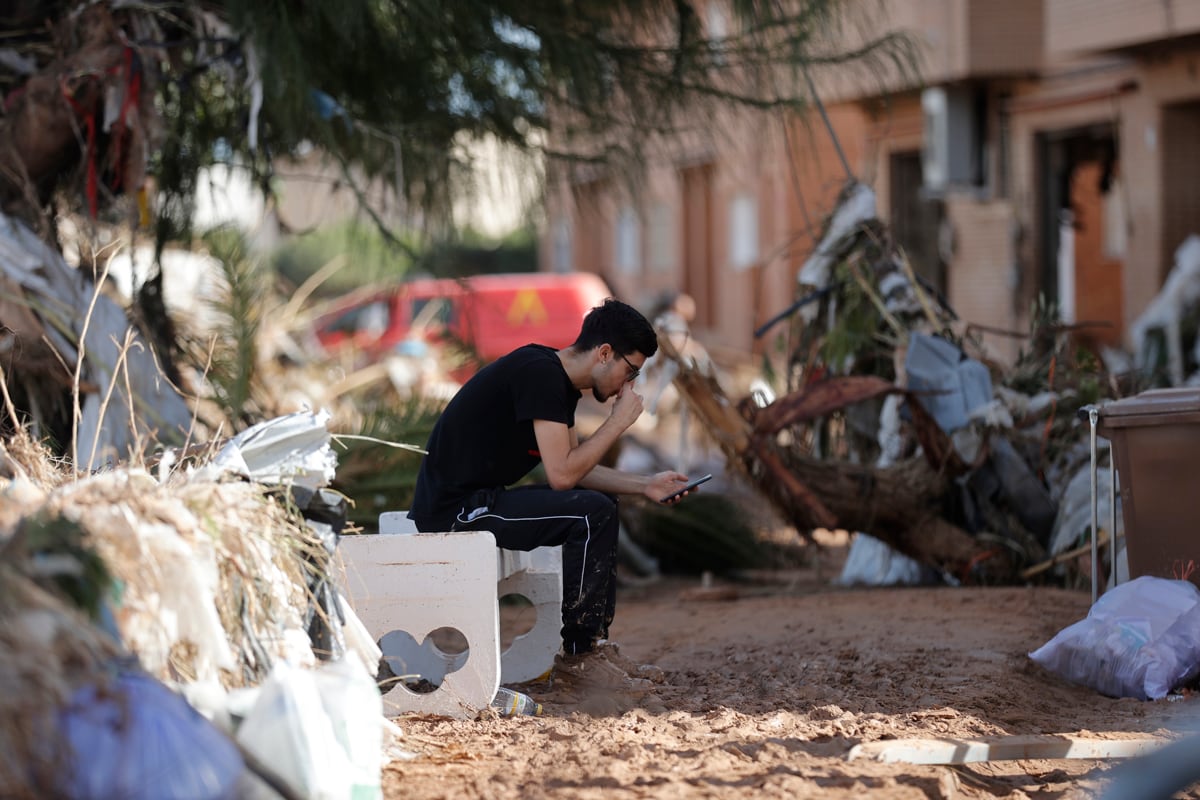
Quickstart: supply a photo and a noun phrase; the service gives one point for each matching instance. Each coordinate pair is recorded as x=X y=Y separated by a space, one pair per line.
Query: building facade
x=1044 y=148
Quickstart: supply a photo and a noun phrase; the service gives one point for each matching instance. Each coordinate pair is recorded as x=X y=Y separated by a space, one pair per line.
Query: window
x=627 y=246
x=563 y=261
x=660 y=237
x=370 y=319
x=432 y=312
x=743 y=232
x=716 y=19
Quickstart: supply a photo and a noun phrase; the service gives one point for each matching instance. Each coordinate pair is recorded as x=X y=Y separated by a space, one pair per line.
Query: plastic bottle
x=514 y=704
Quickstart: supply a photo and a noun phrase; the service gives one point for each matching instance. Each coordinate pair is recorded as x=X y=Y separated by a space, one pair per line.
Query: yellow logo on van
x=527 y=307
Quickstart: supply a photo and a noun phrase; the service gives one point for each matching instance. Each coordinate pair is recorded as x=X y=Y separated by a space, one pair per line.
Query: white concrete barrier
x=400 y=583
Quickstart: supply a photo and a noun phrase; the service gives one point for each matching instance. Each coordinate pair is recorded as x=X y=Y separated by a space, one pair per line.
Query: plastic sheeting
x=948 y=385
x=143 y=405
x=1165 y=312
x=293 y=448
x=137 y=740
x=858 y=207
x=872 y=562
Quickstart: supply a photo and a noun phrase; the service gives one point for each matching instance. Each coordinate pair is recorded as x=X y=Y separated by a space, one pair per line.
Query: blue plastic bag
x=137 y=740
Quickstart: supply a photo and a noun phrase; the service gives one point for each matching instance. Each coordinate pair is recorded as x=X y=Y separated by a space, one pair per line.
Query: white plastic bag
x=320 y=730
x=355 y=708
x=1141 y=639
x=872 y=562
x=289 y=731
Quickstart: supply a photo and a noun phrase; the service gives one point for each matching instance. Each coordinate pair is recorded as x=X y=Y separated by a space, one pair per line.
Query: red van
x=490 y=314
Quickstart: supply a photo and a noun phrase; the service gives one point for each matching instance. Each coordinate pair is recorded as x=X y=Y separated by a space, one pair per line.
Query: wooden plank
x=1066 y=556
x=1001 y=748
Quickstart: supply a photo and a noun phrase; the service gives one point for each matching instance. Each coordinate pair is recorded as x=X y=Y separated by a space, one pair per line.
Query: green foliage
x=368 y=257
x=1054 y=362
x=474 y=256
x=393 y=90
x=241 y=305
x=1031 y=372
x=854 y=328
x=852 y=331
x=376 y=476
x=61 y=560
x=200 y=110
x=705 y=531
x=1089 y=386
x=1155 y=360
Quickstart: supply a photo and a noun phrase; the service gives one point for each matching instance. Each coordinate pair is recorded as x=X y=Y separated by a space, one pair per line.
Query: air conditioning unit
x=952 y=139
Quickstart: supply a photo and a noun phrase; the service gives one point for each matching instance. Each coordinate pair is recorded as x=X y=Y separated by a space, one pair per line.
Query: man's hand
x=664 y=484
x=627 y=407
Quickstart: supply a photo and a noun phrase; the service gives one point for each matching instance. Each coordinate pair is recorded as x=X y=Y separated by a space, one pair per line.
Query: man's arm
x=562 y=453
x=567 y=460
x=615 y=481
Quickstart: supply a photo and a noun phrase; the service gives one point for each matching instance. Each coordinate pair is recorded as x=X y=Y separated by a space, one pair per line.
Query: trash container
x=1155 y=440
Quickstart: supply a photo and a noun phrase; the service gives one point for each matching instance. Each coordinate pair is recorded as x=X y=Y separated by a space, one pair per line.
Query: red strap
x=975 y=561
x=89 y=124
x=13 y=96
x=92 y=177
x=133 y=88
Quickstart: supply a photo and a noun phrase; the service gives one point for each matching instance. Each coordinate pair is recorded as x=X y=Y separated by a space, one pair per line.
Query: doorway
x=1083 y=224
x=697 y=242
x=1181 y=179
x=916 y=218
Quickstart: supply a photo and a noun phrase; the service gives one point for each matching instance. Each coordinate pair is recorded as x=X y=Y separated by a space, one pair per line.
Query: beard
x=599 y=397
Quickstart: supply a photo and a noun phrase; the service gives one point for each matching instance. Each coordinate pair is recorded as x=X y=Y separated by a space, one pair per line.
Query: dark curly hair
x=620 y=325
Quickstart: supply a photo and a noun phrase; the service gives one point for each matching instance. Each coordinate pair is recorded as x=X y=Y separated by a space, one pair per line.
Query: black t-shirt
x=484 y=439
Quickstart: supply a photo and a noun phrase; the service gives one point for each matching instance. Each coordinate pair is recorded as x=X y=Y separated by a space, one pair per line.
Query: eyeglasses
x=633 y=371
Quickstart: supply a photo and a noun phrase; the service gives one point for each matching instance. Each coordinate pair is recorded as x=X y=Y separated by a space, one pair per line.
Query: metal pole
x=837 y=145
x=1112 y=517
x=1093 y=416
x=684 y=456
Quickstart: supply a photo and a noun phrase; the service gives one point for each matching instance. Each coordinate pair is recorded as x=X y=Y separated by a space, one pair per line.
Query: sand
x=766 y=686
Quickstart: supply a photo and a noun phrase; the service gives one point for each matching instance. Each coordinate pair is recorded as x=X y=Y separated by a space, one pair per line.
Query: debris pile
x=126 y=591
x=897 y=424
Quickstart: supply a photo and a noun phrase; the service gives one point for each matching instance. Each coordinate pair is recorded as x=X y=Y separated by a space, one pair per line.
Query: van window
x=434 y=313
x=370 y=318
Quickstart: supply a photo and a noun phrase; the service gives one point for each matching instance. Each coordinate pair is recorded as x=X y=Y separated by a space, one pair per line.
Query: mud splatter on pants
x=583 y=522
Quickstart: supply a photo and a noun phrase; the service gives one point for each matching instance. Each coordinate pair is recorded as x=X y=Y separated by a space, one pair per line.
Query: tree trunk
x=899 y=505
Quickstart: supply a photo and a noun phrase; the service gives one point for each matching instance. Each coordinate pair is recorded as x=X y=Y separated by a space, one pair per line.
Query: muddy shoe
x=600 y=668
x=612 y=652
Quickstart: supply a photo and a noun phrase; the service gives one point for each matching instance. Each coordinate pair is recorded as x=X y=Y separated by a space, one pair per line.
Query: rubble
x=897 y=424
x=203 y=579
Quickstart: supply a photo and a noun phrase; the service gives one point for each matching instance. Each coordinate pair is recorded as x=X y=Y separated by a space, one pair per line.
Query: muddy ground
x=767 y=686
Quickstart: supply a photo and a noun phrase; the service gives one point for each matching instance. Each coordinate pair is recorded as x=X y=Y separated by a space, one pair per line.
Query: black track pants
x=584 y=522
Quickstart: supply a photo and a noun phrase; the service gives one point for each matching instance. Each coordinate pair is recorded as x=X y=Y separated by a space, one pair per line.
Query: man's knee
x=598 y=506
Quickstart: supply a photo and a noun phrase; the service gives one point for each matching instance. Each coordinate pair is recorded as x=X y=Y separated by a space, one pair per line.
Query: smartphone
x=687 y=488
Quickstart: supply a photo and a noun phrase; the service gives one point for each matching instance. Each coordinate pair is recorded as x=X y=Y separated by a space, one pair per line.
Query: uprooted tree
x=898 y=504
x=892 y=423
